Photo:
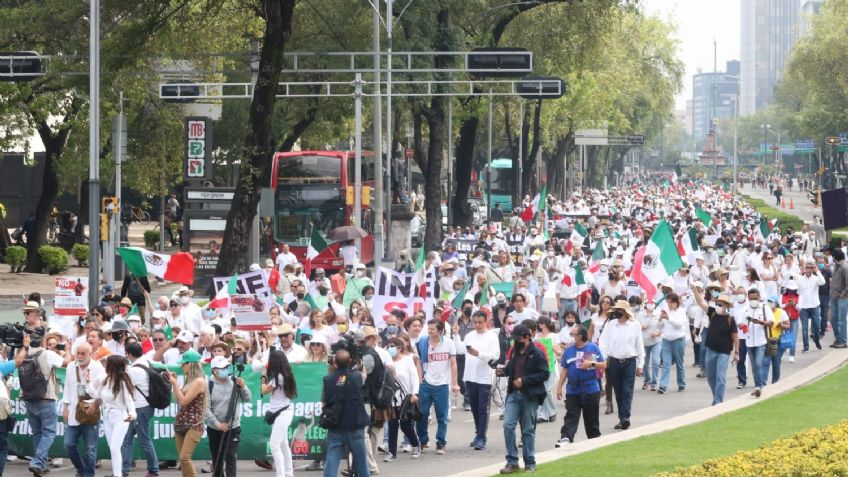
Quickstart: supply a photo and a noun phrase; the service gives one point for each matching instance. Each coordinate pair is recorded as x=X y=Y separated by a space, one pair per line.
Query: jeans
x=774 y=361
x=838 y=309
x=42 y=419
x=741 y=367
x=480 y=395
x=89 y=434
x=696 y=348
x=280 y=448
x=756 y=355
x=589 y=405
x=340 y=441
x=140 y=427
x=672 y=353
x=408 y=428
x=716 y=368
x=4 y=446
x=793 y=327
x=704 y=345
x=825 y=313
x=115 y=428
x=622 y=373
x=806 y=315
x=460 y=370
x=186 y=443
x=223 y=461
x=651 y=366
x=519 y=408
x=438 y=396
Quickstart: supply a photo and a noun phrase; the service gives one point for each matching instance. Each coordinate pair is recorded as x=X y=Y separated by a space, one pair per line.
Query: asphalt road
x=648 y=407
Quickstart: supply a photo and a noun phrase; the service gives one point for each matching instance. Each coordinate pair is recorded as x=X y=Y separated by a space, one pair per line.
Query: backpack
x=385 y=395
x=159 y=388
x=32 y=379
x=134 y=289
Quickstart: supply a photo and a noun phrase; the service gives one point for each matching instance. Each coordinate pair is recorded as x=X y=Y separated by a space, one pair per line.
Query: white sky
x=698 y=23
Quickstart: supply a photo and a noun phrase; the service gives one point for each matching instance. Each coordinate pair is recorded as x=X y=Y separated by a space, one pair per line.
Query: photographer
x=223 y=417
x=343 y=388
x=6 y=425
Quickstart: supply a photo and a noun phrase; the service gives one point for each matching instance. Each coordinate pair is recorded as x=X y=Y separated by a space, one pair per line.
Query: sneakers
x=740 y=386
x=562 y=442
x=680 y=389
x=623 y=425
x=662 y=390
x=407 y=449
x=390 y=458
x=416 y=452
x=839 y=345
x=510 y=469
x=466 y=407
x=440 y=449
x=529 y=469
x=383 y=449
x=791 y=359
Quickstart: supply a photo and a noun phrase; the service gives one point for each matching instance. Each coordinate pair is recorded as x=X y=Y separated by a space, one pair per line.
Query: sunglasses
x=316 y=344
x=173 y=305
x=158 y=339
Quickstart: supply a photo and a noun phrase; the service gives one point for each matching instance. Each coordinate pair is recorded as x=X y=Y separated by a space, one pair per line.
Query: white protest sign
x=71 y=296
x=250 y=283
x=251 y=312
x=402 y=291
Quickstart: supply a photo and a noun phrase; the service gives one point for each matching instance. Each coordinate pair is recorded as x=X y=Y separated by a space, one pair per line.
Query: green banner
x=306 y=438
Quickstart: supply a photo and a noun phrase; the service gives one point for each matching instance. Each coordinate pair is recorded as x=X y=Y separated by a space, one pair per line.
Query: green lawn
x=784 y=219
x=816 y=405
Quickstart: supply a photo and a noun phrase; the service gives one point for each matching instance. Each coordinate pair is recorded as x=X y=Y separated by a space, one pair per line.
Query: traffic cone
x=791 y=203
x=782 y=203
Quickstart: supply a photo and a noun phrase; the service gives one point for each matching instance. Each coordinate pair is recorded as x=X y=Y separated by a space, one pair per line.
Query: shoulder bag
x=81 y=410
x=331 y=414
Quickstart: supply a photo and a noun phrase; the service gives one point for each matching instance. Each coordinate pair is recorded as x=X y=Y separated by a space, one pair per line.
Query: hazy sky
x=698 y=23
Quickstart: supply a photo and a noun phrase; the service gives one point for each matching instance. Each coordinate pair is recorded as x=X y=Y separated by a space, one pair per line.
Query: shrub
x=16 y=257
x=54 y=259
x=151 y=239
x=814 y=452
x=80 y=253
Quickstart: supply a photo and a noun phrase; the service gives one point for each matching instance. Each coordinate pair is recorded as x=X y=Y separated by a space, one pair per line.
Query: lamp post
x=735 y=100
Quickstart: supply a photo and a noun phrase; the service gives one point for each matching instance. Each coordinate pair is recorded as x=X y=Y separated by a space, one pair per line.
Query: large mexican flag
x=178 y=267
x=657 y=260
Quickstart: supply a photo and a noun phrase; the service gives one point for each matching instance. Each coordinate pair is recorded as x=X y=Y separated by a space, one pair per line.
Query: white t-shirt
x=527 y=314
x=437 y=370
x=477 y=369
x=172 y=356
x=141 y=382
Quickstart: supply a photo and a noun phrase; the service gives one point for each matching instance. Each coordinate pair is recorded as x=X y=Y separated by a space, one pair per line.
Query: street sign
x=541 y=87
x=832 y=140
x=805 y=144
x=499 y=62
x=637 y=140
x=409 y=153
x=198 y=148
x=20 y=66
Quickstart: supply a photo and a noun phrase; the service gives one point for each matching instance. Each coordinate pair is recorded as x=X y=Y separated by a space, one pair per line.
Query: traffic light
x=104 y=227
x=105 y=202
x=366 y=196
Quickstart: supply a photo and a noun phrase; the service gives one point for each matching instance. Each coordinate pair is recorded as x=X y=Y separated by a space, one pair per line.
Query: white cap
x=185 y=336
x=500 y=297
x=254 y=267
x=698 y=284
x=319 y=338
x=134 y=318
x=159 y=314
x=219 y=362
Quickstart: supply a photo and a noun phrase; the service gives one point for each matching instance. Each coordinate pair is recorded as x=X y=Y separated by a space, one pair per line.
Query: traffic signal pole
x=94 y=155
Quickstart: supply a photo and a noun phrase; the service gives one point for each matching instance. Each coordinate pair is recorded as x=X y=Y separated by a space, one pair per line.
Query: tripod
x=223 y=446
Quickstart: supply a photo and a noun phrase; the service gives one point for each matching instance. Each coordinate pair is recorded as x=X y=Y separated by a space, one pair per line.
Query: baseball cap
x=190 y=356
x=520 y=331
x=219 y=362
x=185 y=336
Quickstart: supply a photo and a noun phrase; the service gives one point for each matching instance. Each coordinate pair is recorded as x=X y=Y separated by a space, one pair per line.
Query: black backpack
x=134 y=289
x=385 y=394
x=32 y=379
x=159 y=389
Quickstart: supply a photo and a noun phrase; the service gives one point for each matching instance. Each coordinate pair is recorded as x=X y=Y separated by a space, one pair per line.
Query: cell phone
x=467 y=347
x=60 y=347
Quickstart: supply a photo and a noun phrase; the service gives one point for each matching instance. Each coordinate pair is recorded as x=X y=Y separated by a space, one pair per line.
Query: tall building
x=770 y=29
x=723 y=87
x=808 y=9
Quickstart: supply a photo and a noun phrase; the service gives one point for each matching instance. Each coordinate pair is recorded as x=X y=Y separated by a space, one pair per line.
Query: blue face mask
x=393 y=351
x=714 y=294
x=392 y=329
x=223 y=373
x=821 y=266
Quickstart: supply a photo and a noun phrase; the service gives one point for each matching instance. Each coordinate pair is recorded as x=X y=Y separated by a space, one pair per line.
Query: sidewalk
x=826 y=364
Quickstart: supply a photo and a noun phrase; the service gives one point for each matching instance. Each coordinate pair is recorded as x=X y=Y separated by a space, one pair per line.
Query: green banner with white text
x=306 y=438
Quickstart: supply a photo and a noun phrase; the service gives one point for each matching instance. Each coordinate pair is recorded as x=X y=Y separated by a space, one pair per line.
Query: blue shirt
x=7 y=368
x=581 y=380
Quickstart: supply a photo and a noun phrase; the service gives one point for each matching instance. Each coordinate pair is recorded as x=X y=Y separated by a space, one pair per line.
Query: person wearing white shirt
x=621 y=342
x=674 y=325
x=650 y=321
x=143 y=411
x=481 y=347
x=295 y=353
x=809 y=304
x=285 y=257
x=190 y=313
x=77 y=377
x=758 y=316
x=115 y=394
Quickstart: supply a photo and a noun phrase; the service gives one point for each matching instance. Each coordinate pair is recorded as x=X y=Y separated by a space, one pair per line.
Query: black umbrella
x=347 y=232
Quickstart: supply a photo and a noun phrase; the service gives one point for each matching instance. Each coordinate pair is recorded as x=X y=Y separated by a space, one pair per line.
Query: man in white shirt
x=294 y=352
x=80 y=373
x=621 y=342
x=758 y=316
x=182 y=343
x=285 y=257
x=191 y=314
x=143 y=411
x=481 y=347
x=809 y=305
x=440 y=378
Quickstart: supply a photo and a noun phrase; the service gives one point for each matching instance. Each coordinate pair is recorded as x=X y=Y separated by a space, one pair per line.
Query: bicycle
x=139 y=214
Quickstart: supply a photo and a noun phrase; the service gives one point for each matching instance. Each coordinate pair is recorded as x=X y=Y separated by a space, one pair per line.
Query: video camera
x=348 y=342
x=13 y=335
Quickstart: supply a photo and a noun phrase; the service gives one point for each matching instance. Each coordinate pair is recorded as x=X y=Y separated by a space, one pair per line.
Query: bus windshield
x=310 y=169
x=299 y=208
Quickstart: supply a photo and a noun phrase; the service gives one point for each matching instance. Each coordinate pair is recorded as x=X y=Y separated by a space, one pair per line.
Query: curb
x=825 y=365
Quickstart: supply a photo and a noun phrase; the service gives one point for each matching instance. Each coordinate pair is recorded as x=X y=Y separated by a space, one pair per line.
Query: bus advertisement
x=310 y=192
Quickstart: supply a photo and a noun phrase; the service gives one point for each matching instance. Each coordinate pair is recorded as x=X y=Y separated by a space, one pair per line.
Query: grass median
x=784 y=219
x=815 y=405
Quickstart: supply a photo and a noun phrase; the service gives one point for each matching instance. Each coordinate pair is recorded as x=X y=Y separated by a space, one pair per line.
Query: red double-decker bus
x=310 y=191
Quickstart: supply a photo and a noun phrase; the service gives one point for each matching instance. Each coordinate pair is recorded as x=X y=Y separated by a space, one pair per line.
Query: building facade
x=721 y=87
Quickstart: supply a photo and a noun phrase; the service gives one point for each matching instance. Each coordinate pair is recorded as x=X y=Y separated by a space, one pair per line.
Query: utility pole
x=389 y=147
x=378 y=143
x=715 y=109
x=94 y=155
x=735 y=143
x=489 y=201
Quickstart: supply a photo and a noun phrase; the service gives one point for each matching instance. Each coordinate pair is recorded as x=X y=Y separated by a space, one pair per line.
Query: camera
x=13 y=335
x=493 y=363
x=347 y=342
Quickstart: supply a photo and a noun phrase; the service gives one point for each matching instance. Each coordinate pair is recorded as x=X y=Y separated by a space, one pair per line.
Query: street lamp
x=767 y=129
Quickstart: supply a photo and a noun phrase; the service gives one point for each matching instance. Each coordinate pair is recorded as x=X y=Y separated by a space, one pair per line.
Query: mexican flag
x=657 y=260
x=578 y=235
x=703 y=216
x=460 y=295
x=537 y=205
x=598 y=254
x=178 y=267
x=222 y=298
x=574 y=277
x=766 y=226
x=688 y=245
x=317 y=244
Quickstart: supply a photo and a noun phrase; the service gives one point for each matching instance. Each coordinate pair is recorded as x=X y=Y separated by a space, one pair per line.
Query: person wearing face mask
x=189 y=312
x=79 y=374
x=649 y=320
x=579 y=365
x=361 y=274
x=222 y=428
x=406 y=374
x=809 y=304
x=758 y=317
x=621 y=342
x=723 y=340
x=460 y=329
x=774 y=331
x=481 y=347
x=674 y=326
x=320 y=285
x=739 y=312
x=119 y=333
x=140 y=426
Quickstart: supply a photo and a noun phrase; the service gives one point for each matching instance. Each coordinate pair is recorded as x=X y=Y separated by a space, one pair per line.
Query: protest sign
x=251 y=312
x=70 y=296
x=307 y=439
x=250 y=283
x=408 y=292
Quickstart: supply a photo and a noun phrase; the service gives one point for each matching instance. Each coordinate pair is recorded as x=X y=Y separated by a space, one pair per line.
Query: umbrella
x=347 y=232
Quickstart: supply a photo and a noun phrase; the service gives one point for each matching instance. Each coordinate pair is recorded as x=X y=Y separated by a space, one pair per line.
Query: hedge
x=811 y=453
x=54 y=259
x=80 y=253
x=16 y=257
x=151 y=239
